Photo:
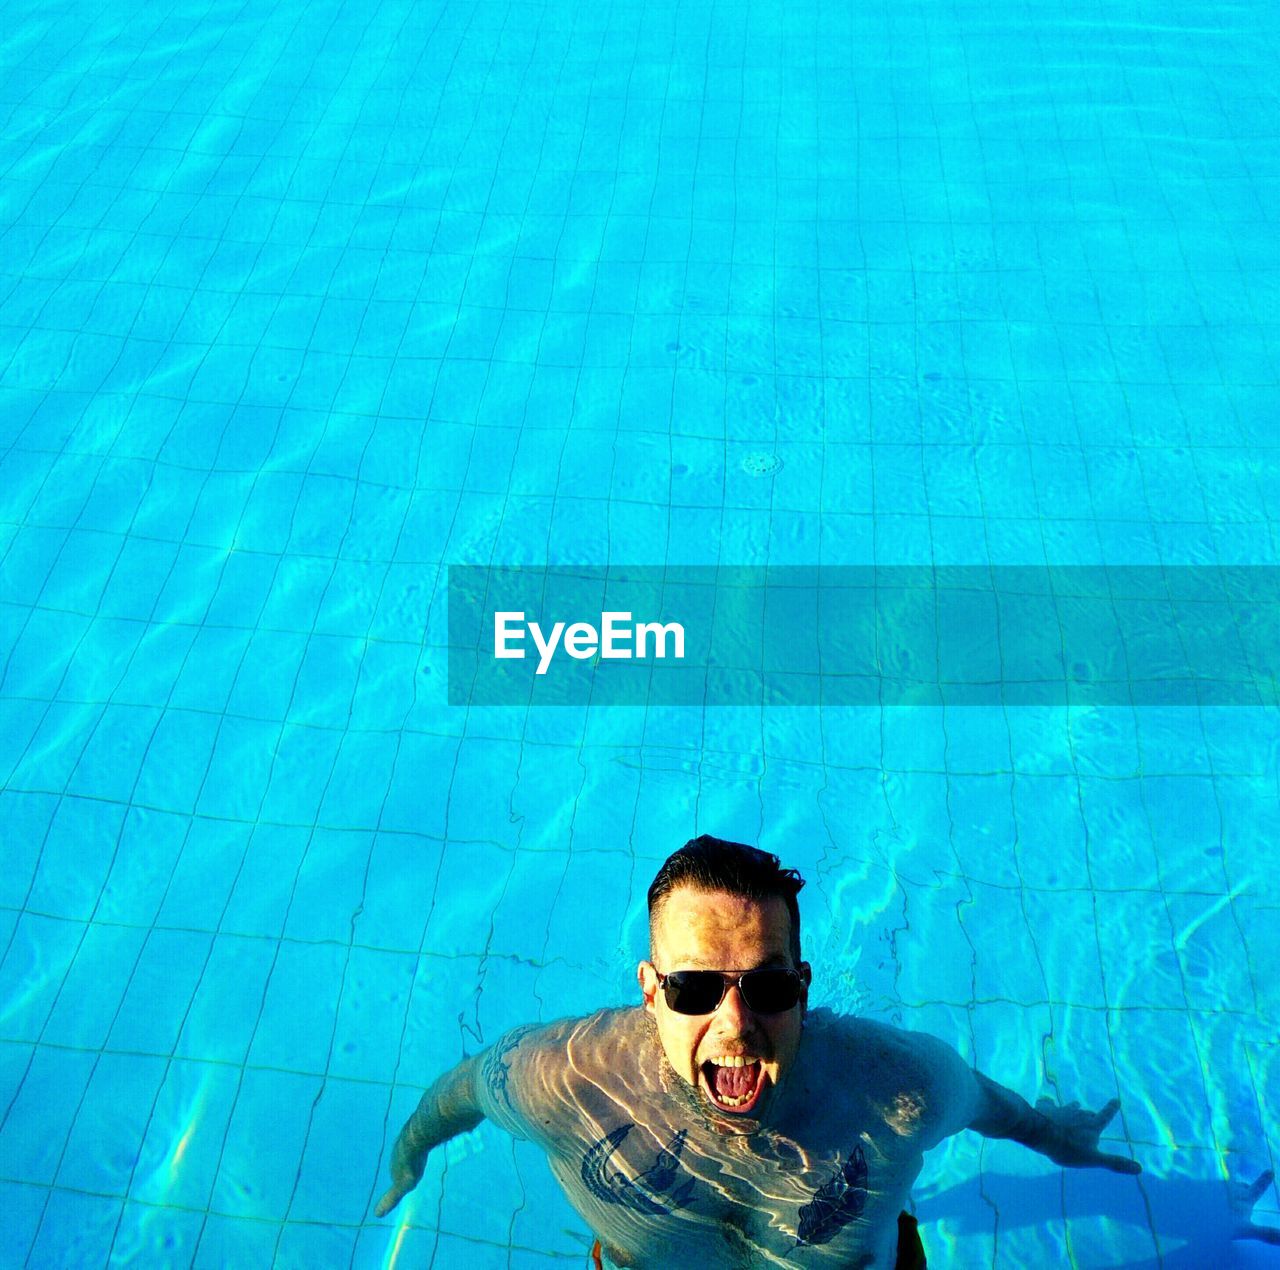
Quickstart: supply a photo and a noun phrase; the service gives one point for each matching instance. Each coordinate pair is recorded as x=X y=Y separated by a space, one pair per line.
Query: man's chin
x=735 y=1121
x=697 y=1096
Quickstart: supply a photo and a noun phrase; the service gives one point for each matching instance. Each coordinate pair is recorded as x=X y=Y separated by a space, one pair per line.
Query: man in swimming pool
x=723 y=1123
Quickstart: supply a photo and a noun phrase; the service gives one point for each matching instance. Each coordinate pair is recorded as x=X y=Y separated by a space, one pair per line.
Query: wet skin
x=816 y=1176
x=808 y=1164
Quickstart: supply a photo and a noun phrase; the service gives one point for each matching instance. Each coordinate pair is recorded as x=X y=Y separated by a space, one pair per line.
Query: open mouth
x=734 y=1083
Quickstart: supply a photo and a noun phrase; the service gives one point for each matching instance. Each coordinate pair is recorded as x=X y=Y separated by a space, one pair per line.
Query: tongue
x=736 y=1082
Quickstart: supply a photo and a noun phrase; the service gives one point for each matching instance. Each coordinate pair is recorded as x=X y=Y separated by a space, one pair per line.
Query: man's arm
x=448 y=1108
x=1243 y=1196
x=506 y=1084
x=1067 y=1135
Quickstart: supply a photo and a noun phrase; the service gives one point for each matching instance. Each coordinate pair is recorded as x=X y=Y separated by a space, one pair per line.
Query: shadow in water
x=1193 y=1218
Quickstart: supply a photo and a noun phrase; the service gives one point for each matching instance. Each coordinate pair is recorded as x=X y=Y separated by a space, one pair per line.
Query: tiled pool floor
x=300 y=304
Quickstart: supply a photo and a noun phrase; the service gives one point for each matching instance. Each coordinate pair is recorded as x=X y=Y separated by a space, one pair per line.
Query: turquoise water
x=300 y=304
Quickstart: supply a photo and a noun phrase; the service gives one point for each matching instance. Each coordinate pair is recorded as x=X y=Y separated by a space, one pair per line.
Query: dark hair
x=712 y=864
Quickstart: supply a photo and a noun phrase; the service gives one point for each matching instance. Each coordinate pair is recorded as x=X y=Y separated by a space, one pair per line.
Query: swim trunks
x=910 y=1249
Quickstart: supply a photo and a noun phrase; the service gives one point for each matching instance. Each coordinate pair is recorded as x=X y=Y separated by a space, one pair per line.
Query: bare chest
x=656 y=1192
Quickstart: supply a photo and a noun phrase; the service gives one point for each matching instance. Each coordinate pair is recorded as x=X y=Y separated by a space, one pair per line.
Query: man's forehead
x=691 y=921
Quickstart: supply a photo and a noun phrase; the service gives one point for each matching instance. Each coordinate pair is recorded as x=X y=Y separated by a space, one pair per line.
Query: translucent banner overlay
x=897 y=636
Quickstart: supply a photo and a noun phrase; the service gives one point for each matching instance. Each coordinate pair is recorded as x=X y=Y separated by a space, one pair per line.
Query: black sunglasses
x=767 y=991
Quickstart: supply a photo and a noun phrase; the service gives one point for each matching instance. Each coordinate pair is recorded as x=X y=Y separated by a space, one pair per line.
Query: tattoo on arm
x=496 y=1072
x=642 y=1194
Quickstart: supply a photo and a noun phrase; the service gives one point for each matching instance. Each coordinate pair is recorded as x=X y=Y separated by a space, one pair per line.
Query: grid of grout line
x=896 y=453
x=1027 y=1003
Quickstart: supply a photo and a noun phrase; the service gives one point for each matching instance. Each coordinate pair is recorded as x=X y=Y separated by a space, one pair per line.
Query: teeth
x=733 y=1060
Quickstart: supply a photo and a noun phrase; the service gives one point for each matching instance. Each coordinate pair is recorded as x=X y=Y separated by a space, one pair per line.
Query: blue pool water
x=300 y=304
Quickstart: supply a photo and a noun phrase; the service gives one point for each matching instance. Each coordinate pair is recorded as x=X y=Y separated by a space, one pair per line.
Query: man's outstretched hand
x=1243 y=1197
x=1073 y=1137
x=447 y=1109
x=406 y=1173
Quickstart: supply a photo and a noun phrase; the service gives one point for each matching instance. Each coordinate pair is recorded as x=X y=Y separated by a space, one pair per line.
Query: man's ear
x=647 y=977
x=806 y=978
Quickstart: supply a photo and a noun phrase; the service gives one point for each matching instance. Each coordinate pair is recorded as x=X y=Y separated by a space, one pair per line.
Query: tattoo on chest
x=836 y=1203
x=496 y=1072
x=653 y=1191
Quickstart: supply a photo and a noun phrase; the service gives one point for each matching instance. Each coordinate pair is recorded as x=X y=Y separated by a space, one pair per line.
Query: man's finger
x=1104 y=1117
x=389 y=1201
x=1266 y=1234
x=1120 y=1164
x=1253 y=1192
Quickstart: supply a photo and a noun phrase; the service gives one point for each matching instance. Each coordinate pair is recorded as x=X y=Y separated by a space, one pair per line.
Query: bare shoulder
x=895 y=1047
x=534 y=1077
x=544 y=1049
x=921 y=1084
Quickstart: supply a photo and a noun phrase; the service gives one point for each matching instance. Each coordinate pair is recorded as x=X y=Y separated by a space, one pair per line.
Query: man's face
x=732 y=1056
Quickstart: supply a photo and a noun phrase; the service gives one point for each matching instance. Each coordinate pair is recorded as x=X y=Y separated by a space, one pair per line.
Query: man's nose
x=735 y=1011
